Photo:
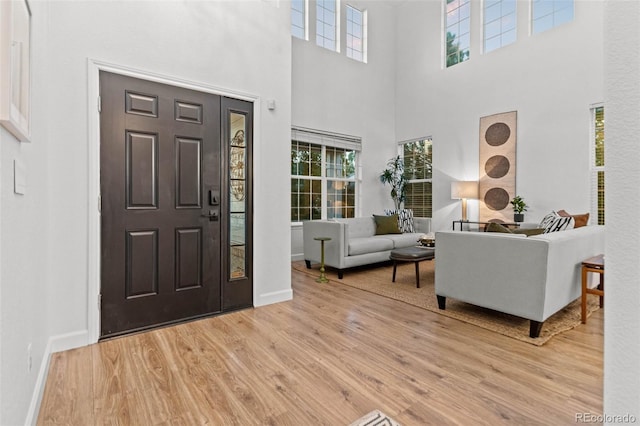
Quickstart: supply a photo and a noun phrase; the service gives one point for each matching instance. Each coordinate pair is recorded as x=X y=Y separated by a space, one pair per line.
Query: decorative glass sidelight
x=237 y=195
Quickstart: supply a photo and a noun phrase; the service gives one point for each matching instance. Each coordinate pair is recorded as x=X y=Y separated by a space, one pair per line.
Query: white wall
x=550 y=79
x=334 y=93
x=241 y=47
x=622 y=315
x=23 y=252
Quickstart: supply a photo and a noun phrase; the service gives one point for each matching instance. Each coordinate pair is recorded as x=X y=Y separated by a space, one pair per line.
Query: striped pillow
x=548 y=219
x=560 y=224
x=405 y=219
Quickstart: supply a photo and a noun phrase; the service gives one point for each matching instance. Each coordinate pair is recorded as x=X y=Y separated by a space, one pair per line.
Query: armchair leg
x=308 y=263
x=442 y=302
x=340 y=274
x=534 y=328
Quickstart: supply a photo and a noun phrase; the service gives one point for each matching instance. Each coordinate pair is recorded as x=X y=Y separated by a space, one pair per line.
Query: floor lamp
x=463 y=190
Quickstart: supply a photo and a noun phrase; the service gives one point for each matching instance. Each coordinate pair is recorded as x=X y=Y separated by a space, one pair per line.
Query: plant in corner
x=519 y=207
x=394 y=176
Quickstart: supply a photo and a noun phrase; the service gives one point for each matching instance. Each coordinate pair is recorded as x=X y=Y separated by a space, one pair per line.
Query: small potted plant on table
x=519 y=207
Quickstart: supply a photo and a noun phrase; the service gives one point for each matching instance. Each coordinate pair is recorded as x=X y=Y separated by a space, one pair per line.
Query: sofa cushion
x=404 y=240
x=358 y=227
x=496 y=227
x=529 y=232
x=405 y=219
x=369 y=245
x=387 y=224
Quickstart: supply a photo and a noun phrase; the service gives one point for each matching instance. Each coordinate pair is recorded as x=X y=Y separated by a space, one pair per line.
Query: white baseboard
x=58 y=343
x=64 y=342
x=297 y=256
x=275 y=297
x=38 y=391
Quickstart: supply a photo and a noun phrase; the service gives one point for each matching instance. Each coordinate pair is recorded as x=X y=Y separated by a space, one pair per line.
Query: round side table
x=323 y=277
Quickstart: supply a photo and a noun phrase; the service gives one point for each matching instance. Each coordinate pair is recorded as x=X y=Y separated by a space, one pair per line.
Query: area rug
x=377 y=279
x=375 y=418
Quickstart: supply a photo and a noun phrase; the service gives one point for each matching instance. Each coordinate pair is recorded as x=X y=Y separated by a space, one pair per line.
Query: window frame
x=362 y=37
x=458 y=35
x=597 y=200
x=499 y=19
x=320 y=4
x=325 y=141
x=305 y=20
x=553 y=15
x=421 y=180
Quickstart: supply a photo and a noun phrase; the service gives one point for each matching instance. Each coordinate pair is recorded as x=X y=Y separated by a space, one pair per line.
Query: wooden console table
x=594 y=265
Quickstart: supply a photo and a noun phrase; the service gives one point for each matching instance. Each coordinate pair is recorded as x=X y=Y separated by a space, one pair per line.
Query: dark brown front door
x=160 y=183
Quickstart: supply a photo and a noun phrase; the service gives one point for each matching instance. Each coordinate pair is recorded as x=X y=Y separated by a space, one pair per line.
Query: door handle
x=212 y=215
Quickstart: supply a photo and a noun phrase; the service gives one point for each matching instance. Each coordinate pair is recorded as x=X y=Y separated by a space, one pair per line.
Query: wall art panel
x=497 y=180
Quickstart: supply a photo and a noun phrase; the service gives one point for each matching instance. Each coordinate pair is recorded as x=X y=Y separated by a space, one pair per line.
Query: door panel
x=161 y=235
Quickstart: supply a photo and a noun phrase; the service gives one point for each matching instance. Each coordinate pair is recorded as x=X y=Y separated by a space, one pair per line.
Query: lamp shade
x=464 y=189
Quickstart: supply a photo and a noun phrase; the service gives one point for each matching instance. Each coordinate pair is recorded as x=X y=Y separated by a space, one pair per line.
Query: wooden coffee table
x=411 y=254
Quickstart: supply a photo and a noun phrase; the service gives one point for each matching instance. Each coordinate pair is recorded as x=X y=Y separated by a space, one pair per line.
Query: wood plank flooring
x=329 y=356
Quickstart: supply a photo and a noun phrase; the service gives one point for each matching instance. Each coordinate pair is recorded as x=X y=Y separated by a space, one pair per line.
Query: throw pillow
x=496 y=227
x=405 y=219
x=548 y=219
x=560 y=224
x=581 y=219
x=387 y=224
x=529 y=232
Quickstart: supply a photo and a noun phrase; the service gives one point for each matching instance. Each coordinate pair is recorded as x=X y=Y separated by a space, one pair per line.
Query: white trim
x=38 y=390
x=93 y=70
x=55 y=344
x=320 y=137
x=273 y=297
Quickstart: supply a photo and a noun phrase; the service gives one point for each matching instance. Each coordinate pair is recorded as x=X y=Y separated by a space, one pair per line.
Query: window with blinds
x=323 y=175
x=597 y=164
x=418 y=171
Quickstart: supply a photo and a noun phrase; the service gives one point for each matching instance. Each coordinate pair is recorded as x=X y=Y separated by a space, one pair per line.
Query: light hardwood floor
x=329 y=356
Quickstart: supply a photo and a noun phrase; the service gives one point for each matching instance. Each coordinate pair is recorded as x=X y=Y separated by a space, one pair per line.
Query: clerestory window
x=457 y=31
x=547 y=14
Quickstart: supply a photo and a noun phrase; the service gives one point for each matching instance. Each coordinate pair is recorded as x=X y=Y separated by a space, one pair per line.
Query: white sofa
x=530 y=277
x=354 y=243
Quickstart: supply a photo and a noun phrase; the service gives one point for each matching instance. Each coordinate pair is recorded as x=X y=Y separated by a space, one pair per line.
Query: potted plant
x=519 y=207
x=394 y=176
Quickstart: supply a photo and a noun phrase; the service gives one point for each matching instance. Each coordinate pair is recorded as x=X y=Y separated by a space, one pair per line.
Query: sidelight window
x=237 y=195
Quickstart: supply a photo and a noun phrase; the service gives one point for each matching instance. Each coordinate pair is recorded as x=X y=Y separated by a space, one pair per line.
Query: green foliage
x=454 y=54
x=394 y=176
x=518 y=204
